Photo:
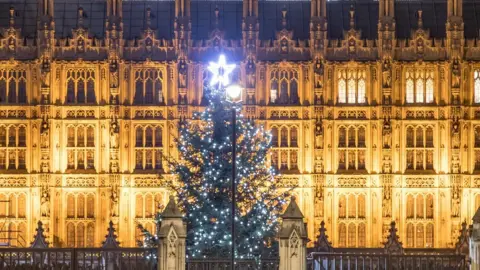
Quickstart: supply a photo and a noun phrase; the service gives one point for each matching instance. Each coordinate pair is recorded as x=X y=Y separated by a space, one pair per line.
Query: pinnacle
x=293 y=211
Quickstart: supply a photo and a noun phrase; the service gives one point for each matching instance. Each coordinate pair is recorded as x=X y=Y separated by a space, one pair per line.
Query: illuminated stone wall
x=369 y=130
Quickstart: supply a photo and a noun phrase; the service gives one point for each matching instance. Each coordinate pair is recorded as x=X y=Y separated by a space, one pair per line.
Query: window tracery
x=476 y=147
x=351 y=148
x=13 y=86
x=284 y=152
x=147 y=204
x=80 y=222
x=476 y=86
x=351 y=214
x=148 y=86
x=419 y=86
x=419 y=148
x=148 y=147
x=351 y=86
x=81 y=86
x=13 y=147
x=80 y=147
x=420 y=214
x=284 y=86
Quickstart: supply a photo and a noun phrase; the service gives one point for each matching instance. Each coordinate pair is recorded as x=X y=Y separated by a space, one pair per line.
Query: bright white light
x=221 y=71
x=234 y=91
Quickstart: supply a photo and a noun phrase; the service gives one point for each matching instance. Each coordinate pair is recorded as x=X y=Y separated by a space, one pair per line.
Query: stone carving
x=114 y=203
x=44 y=135
x=456 y=74
x=251 y=74
x=319 y=134
x=387 y=133
x=455 y=134
x=456 y=202
x=114 y=133
x=387 y=166
x=387 y=202
x=45 y=72
x=387 y=74
x=182 y=73
x=318 y=70
x=318 y=200
x=45 y=203
x=114 y=73
x=318 y=164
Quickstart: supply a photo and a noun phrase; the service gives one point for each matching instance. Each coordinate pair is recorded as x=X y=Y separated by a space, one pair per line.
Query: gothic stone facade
x=375 y=116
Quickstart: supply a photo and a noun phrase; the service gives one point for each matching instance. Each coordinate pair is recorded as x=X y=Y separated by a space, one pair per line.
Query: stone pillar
x=475 y=242
x=293 y=239
x=171 y=235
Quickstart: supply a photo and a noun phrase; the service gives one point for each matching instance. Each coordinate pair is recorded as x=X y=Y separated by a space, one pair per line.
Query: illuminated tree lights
x=203 y=180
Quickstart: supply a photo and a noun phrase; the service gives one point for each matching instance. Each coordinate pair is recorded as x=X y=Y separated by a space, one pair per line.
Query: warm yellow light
x=234 y=93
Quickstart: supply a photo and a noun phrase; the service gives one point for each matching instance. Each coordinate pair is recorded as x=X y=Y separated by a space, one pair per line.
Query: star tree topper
x=221 y=72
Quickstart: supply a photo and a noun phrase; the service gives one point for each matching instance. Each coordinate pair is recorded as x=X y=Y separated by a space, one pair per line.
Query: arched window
x=351 y=137
x=149 y=207
x=158 y=137
x=12 y=205
x=429 y=135
x=22 y=235
x=284 y=86
x=80 y=235
x=139 y=137
x=342 y=206
x=361 y=137
x=476 y=133
x=80 y=86
x=476 y=86
x=12 y=134
x=410 y=206
x=361 y=206
x=351 y=91
x=342 y=235
x=90 y=137
x=410 y=235
x=351 y=206
x=22 y=205
x=21 y=136
x=352 y=233
x=284 y=137
x=420 y=243
x=80 y=136
x=70 y=235
x=293 y=137
x=90 y=206
x=342 y=88
x=148 y=86
x=362 y=90
x=274 y=137
x=420 y=207
x=80 y=206
x=3 y=136
x=429 y=206
x=410 y=92
x=71 y=137
x=429 y=236
x=361 y=235
x=342 y=137
x=90 y=235
x=139 y=206
x=13 y=87
x=420 y=86
x=70 y=206
x=419 y=137
x=149 y=137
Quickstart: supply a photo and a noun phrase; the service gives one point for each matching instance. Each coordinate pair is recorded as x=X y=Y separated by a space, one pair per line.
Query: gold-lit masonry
x=373 y=107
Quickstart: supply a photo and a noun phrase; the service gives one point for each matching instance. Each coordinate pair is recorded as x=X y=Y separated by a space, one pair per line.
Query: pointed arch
x=352 y=234
x=361 y=206
x=410 y=235
x=342 y=205
x=80 y=205
x=352 y=209
x=70 y=205
x=342 y=235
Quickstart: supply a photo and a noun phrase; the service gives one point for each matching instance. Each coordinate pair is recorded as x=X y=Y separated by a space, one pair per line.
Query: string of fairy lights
x=202 y=176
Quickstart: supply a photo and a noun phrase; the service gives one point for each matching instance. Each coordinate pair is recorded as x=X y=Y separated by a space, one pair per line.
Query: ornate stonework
x=370 y=126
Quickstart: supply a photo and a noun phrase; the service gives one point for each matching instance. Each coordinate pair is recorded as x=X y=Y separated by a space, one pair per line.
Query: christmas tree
x=203 y=175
